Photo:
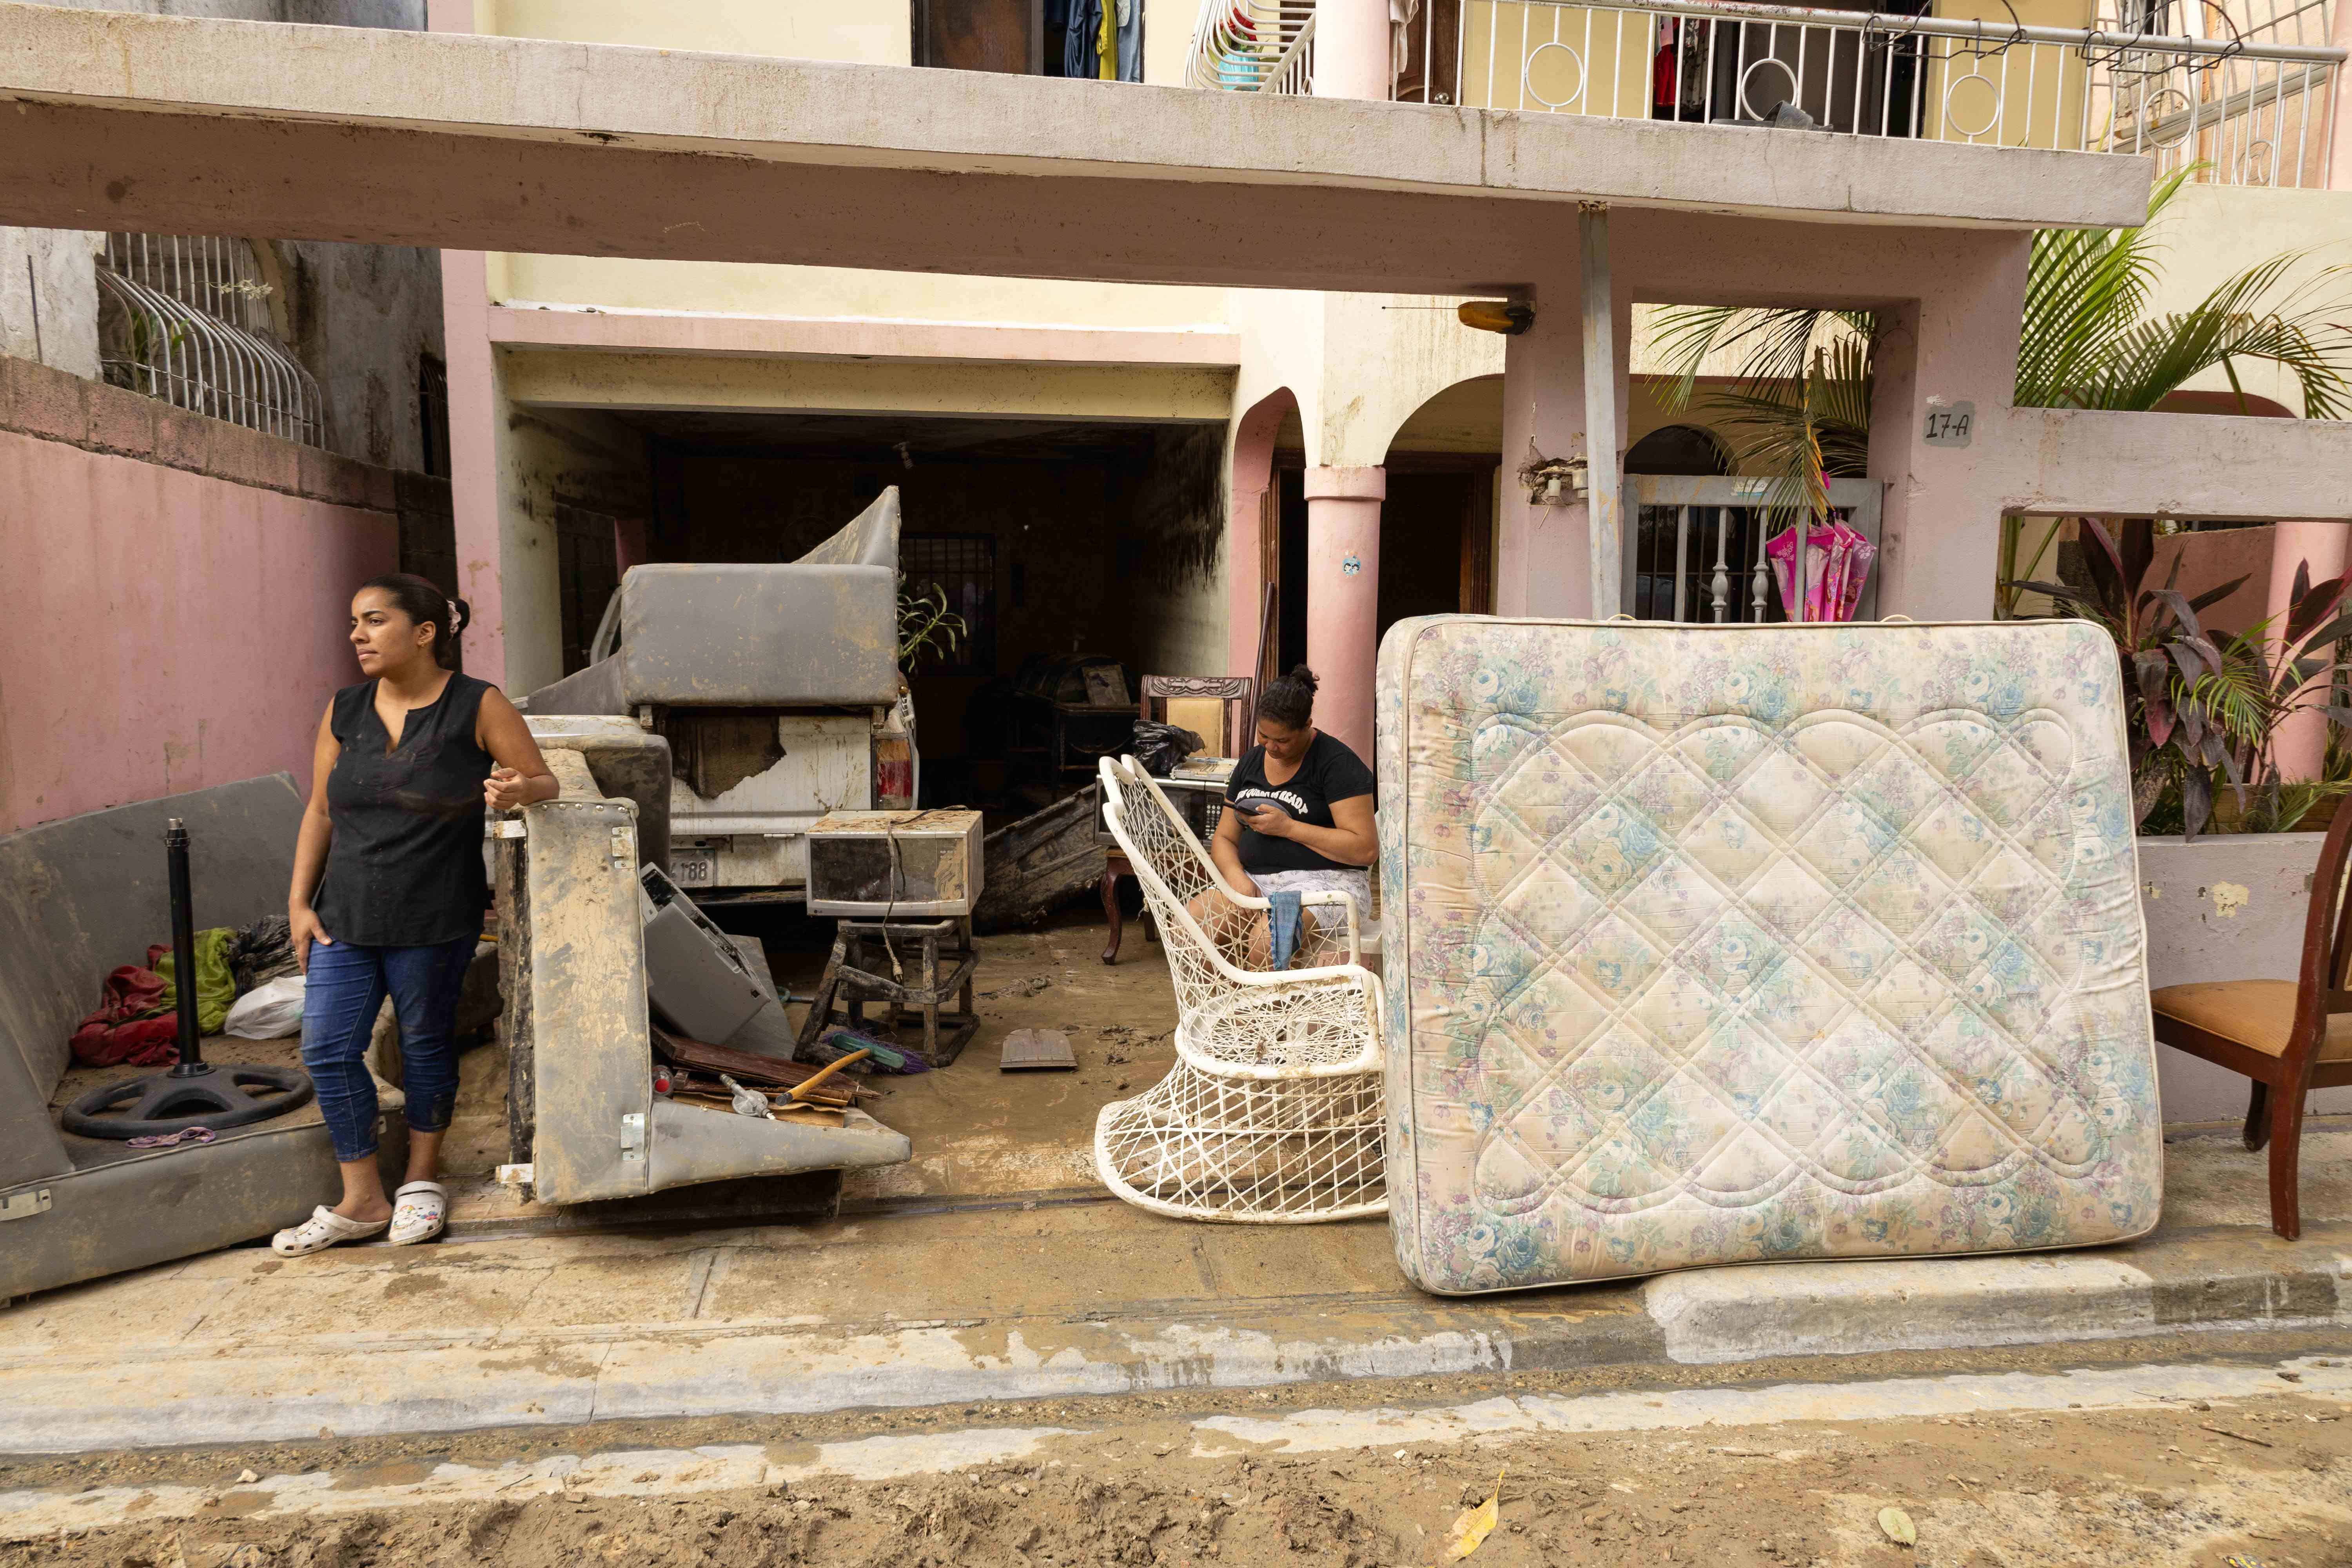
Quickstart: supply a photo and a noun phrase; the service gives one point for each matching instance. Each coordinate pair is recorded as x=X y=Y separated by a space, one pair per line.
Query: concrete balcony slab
x=477 y=142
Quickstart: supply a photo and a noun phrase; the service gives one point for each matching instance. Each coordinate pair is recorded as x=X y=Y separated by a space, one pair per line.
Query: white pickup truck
x=777 y=687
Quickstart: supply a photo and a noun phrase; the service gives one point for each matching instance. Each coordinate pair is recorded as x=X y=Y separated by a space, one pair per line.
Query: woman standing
x=1298 y=811
x=389 y=892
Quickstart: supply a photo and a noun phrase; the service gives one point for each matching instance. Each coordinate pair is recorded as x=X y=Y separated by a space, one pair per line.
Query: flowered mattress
x=1721 y=945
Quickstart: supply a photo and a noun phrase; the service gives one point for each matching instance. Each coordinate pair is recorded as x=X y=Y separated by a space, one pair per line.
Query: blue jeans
x=346 y=989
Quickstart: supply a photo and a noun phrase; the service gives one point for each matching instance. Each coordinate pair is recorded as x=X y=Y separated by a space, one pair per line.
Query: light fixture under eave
x=1509 y=317
x=1555 y=482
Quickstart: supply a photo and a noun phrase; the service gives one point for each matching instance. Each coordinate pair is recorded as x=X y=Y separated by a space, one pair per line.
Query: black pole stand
x=194 y=1093
x=191 y=1062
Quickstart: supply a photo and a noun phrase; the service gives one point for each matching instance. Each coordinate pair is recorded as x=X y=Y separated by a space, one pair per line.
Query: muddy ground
x=1135 y=1481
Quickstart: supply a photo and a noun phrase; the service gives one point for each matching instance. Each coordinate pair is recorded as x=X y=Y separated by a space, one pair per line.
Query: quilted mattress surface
x=1724 y=945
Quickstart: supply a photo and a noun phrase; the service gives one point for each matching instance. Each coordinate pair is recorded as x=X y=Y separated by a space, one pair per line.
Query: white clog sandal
x=419 y=1210
x=323 y=1229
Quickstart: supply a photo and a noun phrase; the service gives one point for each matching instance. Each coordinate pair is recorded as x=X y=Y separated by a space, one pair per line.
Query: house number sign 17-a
x=1950 y=424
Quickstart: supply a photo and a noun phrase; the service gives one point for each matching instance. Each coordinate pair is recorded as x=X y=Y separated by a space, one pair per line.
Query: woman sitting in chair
x=1297 y=816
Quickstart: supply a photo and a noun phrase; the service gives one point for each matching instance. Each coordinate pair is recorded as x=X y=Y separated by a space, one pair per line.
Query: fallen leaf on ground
x=1474 y=1524
x=1898 y=1526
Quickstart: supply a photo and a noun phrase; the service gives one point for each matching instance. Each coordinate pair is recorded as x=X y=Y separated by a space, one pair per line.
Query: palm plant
x=1800 y=411
x=2086 y=342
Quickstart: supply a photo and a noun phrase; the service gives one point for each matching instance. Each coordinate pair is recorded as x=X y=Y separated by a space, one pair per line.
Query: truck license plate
x=694 y=867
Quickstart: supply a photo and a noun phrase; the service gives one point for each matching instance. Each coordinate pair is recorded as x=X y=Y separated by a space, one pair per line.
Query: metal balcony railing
x=187 y=320
x=1254 y=46
x=2252 y=102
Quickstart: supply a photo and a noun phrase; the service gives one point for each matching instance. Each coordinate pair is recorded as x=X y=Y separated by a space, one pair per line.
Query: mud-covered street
x=2030 y=1459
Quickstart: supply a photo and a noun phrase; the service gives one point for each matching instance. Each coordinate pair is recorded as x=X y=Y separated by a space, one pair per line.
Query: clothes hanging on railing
x=1837 y=564
x=1056 y=16
x=1129 y=16
x=1082 y=44
x=1678 y=70
x=1401 y=17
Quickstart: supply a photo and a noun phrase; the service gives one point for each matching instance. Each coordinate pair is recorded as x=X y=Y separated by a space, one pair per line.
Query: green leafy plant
x=926 y=625
x=2205 y=713
x=1798 y=411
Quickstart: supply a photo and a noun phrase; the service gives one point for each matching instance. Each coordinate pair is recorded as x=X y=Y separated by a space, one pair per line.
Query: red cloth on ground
x=125 y=1028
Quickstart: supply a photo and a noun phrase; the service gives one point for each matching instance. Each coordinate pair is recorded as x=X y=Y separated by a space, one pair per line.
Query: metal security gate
x=1696 y=549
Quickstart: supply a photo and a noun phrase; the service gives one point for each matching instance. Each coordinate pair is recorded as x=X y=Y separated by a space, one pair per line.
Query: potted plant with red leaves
x=2204 y=712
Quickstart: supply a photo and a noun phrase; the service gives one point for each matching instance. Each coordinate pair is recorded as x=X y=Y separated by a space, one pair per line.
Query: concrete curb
x=2218 y=1280
x=296 y=1387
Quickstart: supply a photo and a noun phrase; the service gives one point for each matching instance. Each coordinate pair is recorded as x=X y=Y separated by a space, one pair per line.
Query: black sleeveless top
x=404 y=869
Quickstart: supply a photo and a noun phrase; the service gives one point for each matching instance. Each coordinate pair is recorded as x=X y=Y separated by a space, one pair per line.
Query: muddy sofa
x=77 y=899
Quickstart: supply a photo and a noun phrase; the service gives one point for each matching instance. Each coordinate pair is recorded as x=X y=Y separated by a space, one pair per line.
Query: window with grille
x=963 y=566
x=1701 y=561
x=188 y=319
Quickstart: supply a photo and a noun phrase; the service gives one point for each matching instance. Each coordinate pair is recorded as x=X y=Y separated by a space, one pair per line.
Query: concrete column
x=2300 y=747
x=477 y=418
x=1352 y=49
x=1603 y=418
x=1343 y=598
x=1543 y=561
x=1252 y=476
x=1940 y=545
x=2338 y=163
x=476 y=422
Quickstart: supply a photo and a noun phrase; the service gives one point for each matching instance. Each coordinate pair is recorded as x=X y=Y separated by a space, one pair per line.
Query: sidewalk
x=943 y=1299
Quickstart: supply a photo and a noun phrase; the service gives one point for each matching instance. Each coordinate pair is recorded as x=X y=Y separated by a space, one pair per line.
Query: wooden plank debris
x=1037 y=1050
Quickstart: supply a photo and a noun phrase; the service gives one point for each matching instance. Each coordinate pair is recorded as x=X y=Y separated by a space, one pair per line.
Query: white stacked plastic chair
x=1273 y=1112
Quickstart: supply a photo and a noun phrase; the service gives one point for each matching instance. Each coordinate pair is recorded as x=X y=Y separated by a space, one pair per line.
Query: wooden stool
x=860 y=970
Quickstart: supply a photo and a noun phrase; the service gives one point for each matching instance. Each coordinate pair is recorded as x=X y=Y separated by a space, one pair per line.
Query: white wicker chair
x=1273 y=1112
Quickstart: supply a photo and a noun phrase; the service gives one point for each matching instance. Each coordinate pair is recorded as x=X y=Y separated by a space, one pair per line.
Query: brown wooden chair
x=2290 y=1036
x=1214 y=706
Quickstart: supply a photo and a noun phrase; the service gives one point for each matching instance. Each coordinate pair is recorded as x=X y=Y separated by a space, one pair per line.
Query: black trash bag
x=261 y=952
x=1160 y=747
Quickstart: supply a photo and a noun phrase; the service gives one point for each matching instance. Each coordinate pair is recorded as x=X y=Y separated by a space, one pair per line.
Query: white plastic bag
x=271 y=1011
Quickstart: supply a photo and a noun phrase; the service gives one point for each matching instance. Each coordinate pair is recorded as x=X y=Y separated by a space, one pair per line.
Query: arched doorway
x=1437 y=525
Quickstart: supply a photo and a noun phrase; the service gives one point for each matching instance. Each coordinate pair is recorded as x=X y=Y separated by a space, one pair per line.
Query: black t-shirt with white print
x=1328 y=771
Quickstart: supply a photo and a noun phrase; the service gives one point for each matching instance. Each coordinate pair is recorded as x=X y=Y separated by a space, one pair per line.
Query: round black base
x=218 y=1097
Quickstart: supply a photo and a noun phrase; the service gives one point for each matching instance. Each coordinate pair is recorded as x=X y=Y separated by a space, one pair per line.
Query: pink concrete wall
x=165 y=630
